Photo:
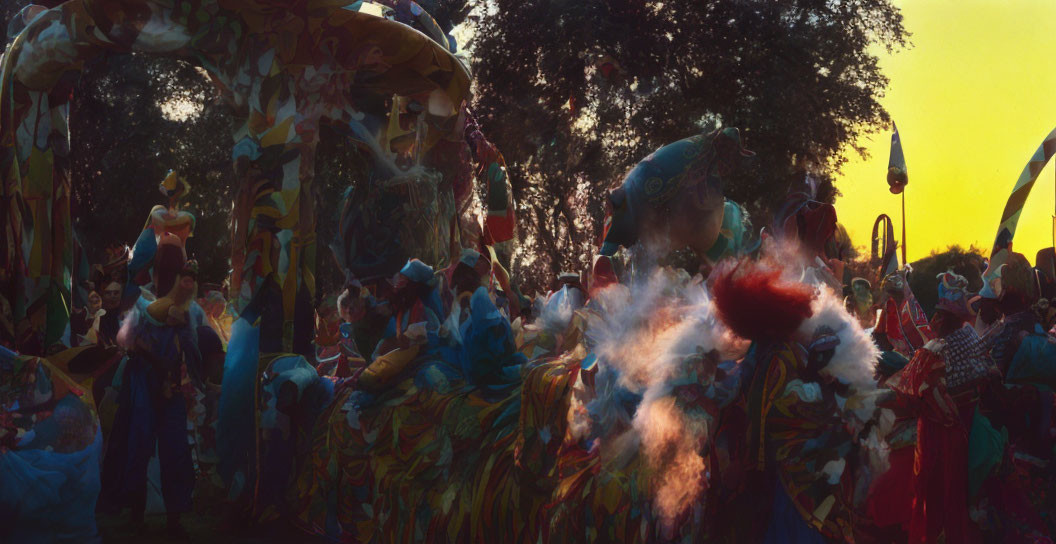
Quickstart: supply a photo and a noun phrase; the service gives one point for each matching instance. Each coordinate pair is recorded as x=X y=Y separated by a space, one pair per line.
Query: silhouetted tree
x=575 y=93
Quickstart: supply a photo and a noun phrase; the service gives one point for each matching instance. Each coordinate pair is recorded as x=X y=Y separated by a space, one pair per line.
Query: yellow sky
x=973 y=98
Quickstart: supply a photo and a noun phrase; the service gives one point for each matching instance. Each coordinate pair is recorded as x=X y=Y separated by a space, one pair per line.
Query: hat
x=417 y=271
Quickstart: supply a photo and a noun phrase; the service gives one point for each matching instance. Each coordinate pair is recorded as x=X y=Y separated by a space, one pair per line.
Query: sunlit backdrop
x=973 y=98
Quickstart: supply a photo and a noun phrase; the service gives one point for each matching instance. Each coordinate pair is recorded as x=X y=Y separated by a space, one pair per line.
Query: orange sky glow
x=973 y=97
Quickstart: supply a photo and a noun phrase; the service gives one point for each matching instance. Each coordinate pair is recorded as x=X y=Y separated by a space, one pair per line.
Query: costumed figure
x=609 y=441
x=902 y=326
x=364 y=318
x=815 y=432
x=943 y=381
x=861 y=302
x=890 y=502
x=161 y=338
x=115 y=273
x=1022 y=350
x=558 y=327
x=449 y=370
x=1045 y=269
x=418 y=312
x=1017 y=293
x=1026 y=357
x=110 y=322
x=218 y=314
x=163 y=222
x=328 y=348
x=635 y=462
x=500 y=224
x=812 y=223
x=811 y=228
x=84 y=324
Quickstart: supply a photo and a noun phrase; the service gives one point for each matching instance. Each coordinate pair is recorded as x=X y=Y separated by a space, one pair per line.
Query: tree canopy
x=133 y=119
x=576 y=92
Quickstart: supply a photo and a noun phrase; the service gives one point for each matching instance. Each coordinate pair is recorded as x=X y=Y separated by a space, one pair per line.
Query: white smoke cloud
x=649 y=338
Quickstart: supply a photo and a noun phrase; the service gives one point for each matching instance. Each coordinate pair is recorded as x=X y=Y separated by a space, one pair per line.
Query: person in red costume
x=943 y=381
x=903 y=326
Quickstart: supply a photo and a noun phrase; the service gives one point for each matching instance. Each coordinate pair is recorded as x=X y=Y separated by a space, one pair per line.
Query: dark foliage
x=133 y=118
x=796 y=76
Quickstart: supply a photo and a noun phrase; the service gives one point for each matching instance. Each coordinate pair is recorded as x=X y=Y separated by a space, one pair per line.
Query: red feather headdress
x=753 y=301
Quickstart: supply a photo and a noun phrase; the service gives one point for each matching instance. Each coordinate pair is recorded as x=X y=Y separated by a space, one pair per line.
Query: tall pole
x=904 y=261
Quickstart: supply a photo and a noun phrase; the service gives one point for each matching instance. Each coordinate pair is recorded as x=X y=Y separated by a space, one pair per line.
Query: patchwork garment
x=435 y=459
x=966 y=359
x=796 y=433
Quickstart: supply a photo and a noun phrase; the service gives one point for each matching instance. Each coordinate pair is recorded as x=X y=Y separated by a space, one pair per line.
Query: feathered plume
x=754 y=302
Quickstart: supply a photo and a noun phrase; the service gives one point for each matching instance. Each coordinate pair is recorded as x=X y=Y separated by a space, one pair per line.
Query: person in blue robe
x=152 y=411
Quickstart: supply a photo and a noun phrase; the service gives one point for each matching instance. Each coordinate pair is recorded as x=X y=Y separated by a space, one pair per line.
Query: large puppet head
x=673 y=198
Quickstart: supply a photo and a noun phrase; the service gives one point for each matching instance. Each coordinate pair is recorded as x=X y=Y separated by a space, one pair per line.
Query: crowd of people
x=442 y=403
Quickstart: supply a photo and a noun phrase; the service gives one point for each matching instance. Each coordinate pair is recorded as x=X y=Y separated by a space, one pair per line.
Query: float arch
x=285 y=70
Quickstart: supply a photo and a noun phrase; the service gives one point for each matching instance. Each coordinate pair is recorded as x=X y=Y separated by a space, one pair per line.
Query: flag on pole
x=897 y=176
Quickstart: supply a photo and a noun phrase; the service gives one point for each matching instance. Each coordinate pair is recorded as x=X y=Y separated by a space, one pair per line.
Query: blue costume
x=150 y=413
